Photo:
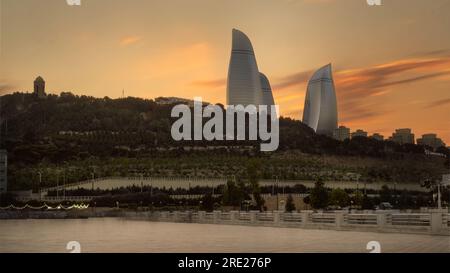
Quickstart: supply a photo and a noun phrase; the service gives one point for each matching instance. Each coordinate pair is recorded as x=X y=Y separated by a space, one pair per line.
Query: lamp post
x=39 y=185
x=64 y=184
x=395 y=193
x=276 y=182
x=93 y=176
x=57 y=184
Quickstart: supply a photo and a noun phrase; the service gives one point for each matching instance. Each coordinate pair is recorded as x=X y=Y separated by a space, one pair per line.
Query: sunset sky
x=391 y=63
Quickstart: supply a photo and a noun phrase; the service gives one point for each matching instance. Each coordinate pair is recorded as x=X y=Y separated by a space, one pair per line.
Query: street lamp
x=39 y=185
x=93 y=176
x=57 y=184
x=64 y=184
x=276 y=182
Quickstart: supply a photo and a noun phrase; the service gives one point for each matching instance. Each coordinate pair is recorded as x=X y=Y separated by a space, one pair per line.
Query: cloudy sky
x=391 y=63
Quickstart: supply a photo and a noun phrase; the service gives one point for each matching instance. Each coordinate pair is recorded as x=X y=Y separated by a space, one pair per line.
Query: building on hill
x=431 y=140
x=342 y=133
x=39 y=87
x=403 y=136
x=175 y=100
x=359 y=133
x=377 y=136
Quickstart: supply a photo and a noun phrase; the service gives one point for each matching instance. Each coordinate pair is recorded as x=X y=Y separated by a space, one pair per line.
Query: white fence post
x=253 y=215
x=381 y=221
x=437 y=225
x=234 y=216
x=305 y=218
x=276 y=218
x=217 y=216
x=339 y=219
x=201 y=216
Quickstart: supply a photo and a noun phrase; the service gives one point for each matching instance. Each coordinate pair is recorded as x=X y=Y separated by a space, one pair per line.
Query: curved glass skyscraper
x=243 y=84
x=320 y=111
x=267 y=96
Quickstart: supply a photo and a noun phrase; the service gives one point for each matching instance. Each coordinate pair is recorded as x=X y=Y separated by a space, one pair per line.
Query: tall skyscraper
x=244 y=83
x=3 y=171
x=320 y=111
x=39 y=87
x=267 y=96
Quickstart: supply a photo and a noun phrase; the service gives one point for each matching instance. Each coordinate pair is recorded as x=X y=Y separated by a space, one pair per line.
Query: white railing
x=322 y=218
x=265 y=217
x=244 y=216
x=386 y=222
x=360 y=219
x=412 y=219
x=293 y=217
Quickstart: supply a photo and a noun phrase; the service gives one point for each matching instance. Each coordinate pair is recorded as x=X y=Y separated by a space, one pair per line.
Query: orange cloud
x=129 y=40
x=355 y=86
x=439 y=103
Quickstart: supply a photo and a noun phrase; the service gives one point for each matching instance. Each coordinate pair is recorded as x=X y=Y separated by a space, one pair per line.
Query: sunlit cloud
x=355 y=87
x=5 y=88
x=130 y=40
x=439 y=103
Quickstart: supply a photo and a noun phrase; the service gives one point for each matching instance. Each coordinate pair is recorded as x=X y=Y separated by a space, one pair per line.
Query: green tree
x=358 y=199
x=385 y=194
x=207 y=202
x=339 y=197
x=367 y=202
x=319 y=195
x=253 y=173
x=290 y=206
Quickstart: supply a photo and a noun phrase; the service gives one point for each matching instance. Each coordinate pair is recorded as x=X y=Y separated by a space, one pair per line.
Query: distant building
x=359 y=133
x=431 y=140
x=342 y=133
x=3 y=171
x=39 y=87
x=377 y=136
x=403 y=136
x=175 y=100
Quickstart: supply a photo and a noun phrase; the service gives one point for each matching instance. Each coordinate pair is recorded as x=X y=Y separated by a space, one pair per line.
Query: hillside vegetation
x=80 y=135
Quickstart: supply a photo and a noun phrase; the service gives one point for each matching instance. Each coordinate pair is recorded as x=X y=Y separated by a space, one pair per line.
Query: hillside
x=123 y=136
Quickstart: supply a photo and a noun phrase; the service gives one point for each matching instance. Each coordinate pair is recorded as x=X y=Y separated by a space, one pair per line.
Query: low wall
x=436 y=223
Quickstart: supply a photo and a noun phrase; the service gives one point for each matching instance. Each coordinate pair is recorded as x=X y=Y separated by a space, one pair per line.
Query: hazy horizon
x=391 y=64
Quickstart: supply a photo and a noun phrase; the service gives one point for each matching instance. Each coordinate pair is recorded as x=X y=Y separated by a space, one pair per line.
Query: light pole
x=64 y=184
x=93 y=176
x=39 y=185
x=395 y=193
x=276 y=182
x=57 y=184
x=439 y=195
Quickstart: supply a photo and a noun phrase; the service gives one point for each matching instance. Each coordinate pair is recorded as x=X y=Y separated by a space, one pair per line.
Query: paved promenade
x=118 y=235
